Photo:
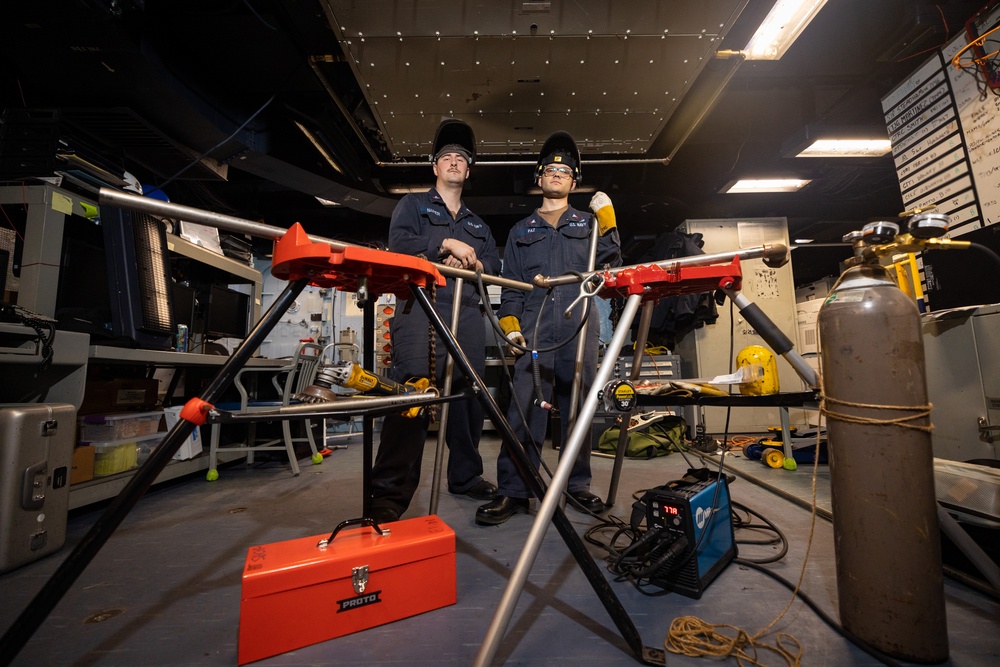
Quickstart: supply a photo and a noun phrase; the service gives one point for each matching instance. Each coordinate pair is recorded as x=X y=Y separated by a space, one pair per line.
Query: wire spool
x=774 y=458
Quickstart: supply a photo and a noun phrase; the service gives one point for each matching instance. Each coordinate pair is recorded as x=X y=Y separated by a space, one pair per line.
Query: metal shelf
x=102 y=488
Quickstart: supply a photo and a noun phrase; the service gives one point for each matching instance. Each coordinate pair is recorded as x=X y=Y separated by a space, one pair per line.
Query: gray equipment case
x=36 y=452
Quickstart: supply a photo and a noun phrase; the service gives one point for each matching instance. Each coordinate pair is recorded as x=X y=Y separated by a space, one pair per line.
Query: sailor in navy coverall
x=551 y=247
x=423 y=224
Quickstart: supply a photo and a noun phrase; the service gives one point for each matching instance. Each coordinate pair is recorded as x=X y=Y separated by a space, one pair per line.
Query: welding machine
x=690 y=532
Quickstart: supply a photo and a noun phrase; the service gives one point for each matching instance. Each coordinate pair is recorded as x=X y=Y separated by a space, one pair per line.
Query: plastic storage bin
x=119 y=426
x=115 y=456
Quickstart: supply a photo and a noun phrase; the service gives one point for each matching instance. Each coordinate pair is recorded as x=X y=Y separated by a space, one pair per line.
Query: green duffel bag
x=659 y=439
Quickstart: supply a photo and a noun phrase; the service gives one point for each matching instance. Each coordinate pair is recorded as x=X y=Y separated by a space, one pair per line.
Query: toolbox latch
x=359 y=576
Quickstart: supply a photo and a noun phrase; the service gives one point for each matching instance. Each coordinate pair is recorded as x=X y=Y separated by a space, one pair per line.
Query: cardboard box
x=82 y=469
x=107 y=396
x=362 y=579
x=191 y=447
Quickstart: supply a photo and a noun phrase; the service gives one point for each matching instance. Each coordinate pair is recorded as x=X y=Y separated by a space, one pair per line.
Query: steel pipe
x=774 y=253
x=258 y=229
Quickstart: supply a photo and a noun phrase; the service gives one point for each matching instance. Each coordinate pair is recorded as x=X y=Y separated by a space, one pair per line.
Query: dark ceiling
x=214 y=96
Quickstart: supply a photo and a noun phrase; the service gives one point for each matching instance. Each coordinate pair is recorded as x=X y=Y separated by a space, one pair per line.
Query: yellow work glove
x=600 y=204
x=512 y=329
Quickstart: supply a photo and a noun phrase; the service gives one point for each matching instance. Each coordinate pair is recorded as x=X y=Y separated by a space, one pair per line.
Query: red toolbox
x=304 y=591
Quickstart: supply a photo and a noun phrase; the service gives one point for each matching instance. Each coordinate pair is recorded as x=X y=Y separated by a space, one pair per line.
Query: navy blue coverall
x=420 y=222
x=535 y=247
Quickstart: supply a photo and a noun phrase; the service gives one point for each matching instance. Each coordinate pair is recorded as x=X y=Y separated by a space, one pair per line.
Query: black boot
x=588 y=501
x=500 y=509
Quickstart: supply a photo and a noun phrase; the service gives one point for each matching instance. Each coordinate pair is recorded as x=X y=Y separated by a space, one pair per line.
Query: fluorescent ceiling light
x=782 y=26
x=846 y=148
x=751 y=185
x=318 y=145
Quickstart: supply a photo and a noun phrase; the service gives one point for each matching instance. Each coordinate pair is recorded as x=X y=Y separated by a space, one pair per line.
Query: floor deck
x=165 y=589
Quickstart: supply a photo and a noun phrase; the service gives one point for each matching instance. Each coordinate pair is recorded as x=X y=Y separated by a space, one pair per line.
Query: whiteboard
x=979 y=118
x=946 y=139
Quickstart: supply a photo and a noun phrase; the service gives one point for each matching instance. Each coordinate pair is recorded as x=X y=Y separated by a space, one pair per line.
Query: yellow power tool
x=352 y=376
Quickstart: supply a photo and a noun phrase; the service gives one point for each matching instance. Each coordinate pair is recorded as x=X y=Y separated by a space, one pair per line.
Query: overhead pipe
x=313 y=60
x=164 y=209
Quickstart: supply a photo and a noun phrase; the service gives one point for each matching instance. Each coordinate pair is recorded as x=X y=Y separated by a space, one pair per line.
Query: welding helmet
x=767 y=377
x=559 y=148
x=454 y=136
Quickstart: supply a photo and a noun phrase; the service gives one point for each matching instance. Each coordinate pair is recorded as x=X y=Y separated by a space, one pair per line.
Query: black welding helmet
x=454 y=136
x=559 y=148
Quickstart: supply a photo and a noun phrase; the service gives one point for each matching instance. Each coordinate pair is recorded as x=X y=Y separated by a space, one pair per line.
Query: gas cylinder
x=888 y=550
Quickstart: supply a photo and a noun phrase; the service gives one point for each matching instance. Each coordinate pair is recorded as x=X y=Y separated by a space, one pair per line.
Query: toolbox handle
x=363 y=521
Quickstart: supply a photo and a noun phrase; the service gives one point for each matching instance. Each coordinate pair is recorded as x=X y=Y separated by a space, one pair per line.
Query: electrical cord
x=43 y=328
x=740 y=524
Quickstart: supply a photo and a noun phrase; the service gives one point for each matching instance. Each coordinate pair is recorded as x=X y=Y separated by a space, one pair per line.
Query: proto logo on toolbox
x=359 y=601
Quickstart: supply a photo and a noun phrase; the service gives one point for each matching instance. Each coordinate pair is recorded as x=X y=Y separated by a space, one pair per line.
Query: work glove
x=511 y=328
x=600 y=204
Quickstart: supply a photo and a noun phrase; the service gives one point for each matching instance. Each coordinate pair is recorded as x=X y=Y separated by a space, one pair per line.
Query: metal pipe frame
x=549 y=510
x=640 y=346
x=581 y=343
x=774 y=253
x=347 y=407
x=449 y=369
x=536 y=485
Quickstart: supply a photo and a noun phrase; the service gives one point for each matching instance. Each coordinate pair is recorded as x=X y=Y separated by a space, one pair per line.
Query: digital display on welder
x=669 y=510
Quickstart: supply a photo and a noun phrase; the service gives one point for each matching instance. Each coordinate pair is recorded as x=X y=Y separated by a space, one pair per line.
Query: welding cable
x=857 y=641
x=626 y=566
x=673 y=551
x=497 y=337
x=496 y=324
x=513 y=395
x=520 y=409
x=779 y=536
x=620 y=528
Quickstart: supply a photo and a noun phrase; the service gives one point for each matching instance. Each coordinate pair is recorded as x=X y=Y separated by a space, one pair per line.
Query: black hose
x=857 y=641
x=986 y=250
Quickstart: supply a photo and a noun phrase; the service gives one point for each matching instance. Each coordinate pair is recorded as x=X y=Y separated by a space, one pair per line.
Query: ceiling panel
x=614 y=72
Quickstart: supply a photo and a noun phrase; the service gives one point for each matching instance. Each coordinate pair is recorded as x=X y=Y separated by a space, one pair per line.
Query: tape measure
x=618 y=396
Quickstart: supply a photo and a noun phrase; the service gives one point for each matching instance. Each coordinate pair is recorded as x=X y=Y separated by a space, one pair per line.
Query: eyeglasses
x=562 y=171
